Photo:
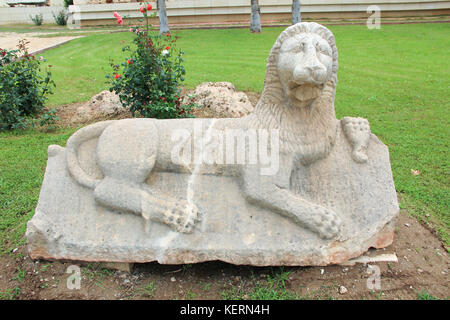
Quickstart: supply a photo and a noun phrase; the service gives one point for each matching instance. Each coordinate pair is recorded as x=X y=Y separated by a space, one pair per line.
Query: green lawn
x=23 y=156
x=397 y=77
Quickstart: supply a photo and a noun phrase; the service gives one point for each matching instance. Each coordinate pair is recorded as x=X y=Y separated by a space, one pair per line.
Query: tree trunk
x=296 y=12
x=163 y=21
x=255 y=20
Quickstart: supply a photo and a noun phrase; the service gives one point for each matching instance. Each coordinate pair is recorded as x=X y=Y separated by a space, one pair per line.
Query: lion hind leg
x=153 y=206
x=126 y=153
x=357 y=132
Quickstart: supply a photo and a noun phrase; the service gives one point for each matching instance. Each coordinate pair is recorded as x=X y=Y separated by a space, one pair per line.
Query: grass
x=96 y=273
x=147 y=290
x=424 y=295
x=396 y=77
x=21 y=273
x=13 y=293
x=10 y=294
x=23 y=157
x=96 y=270
x=273 y=288
x=44 y=28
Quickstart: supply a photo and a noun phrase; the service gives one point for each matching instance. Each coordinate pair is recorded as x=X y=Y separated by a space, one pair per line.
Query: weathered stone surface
x=319 y=191
x=222 y=98
x=103 y=104
x=366 y=259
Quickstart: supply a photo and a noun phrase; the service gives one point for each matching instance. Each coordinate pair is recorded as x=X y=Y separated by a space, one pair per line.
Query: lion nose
x=309 y=70
x=311 y=73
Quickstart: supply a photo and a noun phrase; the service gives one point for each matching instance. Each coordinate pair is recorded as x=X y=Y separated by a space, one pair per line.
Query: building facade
x=198 y=12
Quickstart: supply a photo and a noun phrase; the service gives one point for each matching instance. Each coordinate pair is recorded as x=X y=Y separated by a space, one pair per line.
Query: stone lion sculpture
x=297 y=102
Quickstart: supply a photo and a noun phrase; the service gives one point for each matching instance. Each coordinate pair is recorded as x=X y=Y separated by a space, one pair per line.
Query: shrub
x=148 y=81
x=23 y=90
x=61 y=18
x=49 y=119
x=37 y=19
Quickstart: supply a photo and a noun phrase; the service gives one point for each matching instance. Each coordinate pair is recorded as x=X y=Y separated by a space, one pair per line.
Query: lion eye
x=300 y=47
x=322 y=49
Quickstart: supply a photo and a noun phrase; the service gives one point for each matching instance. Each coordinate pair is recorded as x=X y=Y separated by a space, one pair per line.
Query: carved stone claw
x=359 y=154
x=326 y=223
x=178 y=214
x=182 y=217
x=357 y=132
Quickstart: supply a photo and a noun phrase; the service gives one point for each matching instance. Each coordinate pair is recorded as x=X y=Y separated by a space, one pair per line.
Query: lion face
x=304 y=66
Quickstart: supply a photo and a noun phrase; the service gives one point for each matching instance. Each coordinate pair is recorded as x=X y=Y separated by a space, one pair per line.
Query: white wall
x=55 y=3
x=222 y=7
x=230 y=7
x=22 y=14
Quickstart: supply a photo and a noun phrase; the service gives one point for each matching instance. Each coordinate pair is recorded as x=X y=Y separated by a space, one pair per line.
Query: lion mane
x=311 y=131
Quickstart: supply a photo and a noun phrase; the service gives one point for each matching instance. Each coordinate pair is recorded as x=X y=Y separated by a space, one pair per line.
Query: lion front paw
x=182 y=217
x=326 y=223
x=357 y=131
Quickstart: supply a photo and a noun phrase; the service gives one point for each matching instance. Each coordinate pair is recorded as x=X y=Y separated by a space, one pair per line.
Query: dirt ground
x=422 y=270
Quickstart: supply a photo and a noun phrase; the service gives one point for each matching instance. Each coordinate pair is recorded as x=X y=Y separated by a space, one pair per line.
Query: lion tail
x=84 y=134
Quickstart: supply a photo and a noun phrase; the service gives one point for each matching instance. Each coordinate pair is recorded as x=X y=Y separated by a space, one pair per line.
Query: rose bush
x=148 y=81
x=23 y=87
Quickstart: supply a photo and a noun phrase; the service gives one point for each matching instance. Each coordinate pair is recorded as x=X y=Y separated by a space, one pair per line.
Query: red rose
x=167 y=48
x=142 y=9
x=149 y=7
x=129 y=61
x=116 y=76
x=118 y=18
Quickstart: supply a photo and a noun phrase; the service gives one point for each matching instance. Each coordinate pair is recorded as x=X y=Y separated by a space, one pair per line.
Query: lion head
x=299 y=91
x=304 y=66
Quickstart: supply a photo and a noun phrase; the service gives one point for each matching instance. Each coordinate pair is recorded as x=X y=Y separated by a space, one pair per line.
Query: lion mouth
x=295 y=84
x=305 y=92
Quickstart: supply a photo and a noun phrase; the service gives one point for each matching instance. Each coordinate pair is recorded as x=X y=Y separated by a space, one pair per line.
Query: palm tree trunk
x=255 y=19
x=163 y=21
x=296 y=12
